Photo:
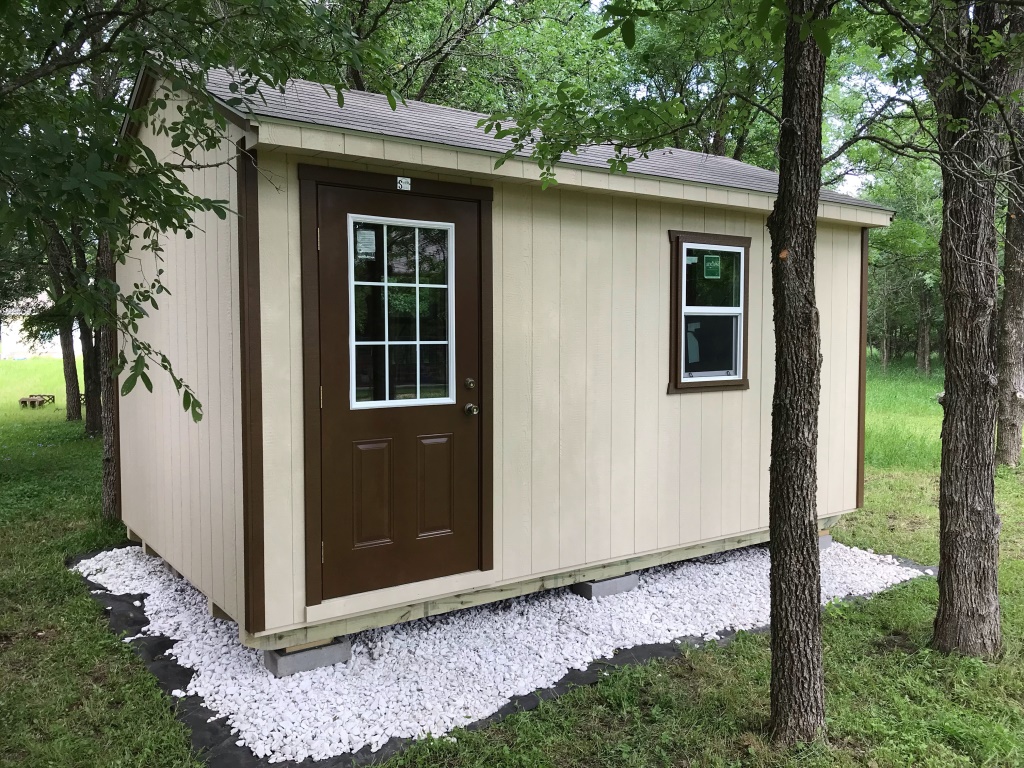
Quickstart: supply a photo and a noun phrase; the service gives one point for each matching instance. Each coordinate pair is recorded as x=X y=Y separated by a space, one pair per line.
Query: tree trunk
x=108 y=392
x=90 y=345
x=924 y=331
x=1011 y=322
x=968 y=617
x=59 y=262
x=72 y=393
x=91 y=366
x=797 y=677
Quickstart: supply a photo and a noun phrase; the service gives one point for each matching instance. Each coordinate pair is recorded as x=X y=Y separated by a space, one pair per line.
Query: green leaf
x=129 y=384
x=629 y=32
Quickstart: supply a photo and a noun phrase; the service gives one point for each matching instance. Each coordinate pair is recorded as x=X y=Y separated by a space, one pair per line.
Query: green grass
x=71 y=694
x=74 y=695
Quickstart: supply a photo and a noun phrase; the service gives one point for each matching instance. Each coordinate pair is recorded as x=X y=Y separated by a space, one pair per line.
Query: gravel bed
x=432 y=675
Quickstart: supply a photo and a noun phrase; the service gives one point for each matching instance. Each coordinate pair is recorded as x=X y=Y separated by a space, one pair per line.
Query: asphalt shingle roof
x=307 y=102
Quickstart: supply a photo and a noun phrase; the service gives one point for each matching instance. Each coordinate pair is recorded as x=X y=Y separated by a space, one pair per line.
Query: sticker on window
x=366 y=243
x=712 y=267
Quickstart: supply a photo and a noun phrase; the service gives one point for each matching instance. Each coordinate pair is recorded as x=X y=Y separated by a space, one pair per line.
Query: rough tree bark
x=797 y=678
x=59 y=262
x=968 y=617
x=90 y=347
x=924 y=331
x=91 y=377
x=108 y=392
x=1011 y=319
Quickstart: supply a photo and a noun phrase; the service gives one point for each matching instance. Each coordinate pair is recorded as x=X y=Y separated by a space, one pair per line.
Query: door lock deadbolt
x=470 y=383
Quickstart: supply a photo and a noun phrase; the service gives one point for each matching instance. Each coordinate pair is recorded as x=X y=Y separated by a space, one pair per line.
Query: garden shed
x=430 y=384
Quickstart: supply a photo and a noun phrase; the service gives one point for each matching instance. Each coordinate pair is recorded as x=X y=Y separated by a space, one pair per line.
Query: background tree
x=1010 y=418
x=904 y=311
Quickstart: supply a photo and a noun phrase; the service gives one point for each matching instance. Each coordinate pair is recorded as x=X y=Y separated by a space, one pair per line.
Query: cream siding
x=181 y=481
x=593 y=461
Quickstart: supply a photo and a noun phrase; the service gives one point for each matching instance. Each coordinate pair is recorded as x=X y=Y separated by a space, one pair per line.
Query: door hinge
x=321 y=396
x=322 y=560
x=318 y=238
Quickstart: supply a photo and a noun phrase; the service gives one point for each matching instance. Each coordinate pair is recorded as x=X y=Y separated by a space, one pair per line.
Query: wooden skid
x=372 y=619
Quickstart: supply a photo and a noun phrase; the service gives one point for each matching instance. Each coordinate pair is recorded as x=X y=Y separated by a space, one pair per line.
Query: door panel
x=372 y=491
x=435 y=495
x=400 y=325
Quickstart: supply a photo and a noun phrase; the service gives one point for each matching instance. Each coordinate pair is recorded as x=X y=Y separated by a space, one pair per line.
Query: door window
x=401 y=318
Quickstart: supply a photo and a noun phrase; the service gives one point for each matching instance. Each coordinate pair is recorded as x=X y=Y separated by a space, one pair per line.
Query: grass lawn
x=71 y=694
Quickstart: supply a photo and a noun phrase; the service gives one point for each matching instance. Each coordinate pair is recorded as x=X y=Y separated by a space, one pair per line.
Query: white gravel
x=432 y=675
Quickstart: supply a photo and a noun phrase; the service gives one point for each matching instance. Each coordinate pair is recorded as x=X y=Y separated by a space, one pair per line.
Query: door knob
x=471 y=410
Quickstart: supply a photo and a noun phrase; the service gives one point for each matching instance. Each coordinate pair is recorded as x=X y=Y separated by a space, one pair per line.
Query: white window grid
x=737 y=312
x=418 y=224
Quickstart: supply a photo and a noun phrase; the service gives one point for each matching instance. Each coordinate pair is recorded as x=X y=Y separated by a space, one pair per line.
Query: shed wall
x=181 y=482
x=593 y=461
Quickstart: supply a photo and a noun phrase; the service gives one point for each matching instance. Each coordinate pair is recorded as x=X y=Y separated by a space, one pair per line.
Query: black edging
x=216 y=746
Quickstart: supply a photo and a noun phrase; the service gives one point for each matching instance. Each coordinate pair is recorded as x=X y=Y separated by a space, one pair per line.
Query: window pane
x=433 y=314
x=402 y=366
x=401 y=254
x=710 y=346
x=434 y=371
x=434 y=256
x=712 y=278
x=369 y=312
x=368 y=260
x=370 y=373
x=401 y=314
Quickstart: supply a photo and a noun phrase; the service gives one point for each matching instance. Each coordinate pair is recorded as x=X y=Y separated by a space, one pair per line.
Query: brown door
x=400 y=332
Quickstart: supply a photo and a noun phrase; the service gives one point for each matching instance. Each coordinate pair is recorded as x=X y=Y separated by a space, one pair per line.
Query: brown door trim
x=311 y=387
x=387 y=183
x=251 y=374
x=310 y=176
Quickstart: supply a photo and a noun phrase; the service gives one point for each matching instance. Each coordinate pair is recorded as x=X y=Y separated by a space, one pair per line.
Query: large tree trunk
x=59 y=262
x=968 y=617
x=90 y=346
x=1011 y=334
x=108 y=392
x=924 y=331
x=72 y=392
x=797 y=678
x=91 y=371
x=1011 y=317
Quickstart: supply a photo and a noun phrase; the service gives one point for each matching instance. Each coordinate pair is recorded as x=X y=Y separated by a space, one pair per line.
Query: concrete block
x=283 y=663
x=824 y=541
x=606 y=587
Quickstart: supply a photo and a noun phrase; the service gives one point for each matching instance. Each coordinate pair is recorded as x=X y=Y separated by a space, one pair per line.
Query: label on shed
x=366 y=243
x=712 y=267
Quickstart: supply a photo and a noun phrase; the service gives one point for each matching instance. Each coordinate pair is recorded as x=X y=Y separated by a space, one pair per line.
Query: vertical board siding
x=545 y=413
x=572 y=414
x=854 y=351
x=824 y=267
x=649 y=387
x=181 y=480
x=670 y=480
x=622 y=525
x=517 y=398
x=598 y=376
x=750 y=500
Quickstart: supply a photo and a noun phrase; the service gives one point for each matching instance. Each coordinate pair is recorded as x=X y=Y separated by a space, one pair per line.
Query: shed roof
x=312 y=103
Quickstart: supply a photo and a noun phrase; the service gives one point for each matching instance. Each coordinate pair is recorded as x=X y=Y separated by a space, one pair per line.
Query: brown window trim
x=676 y=385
